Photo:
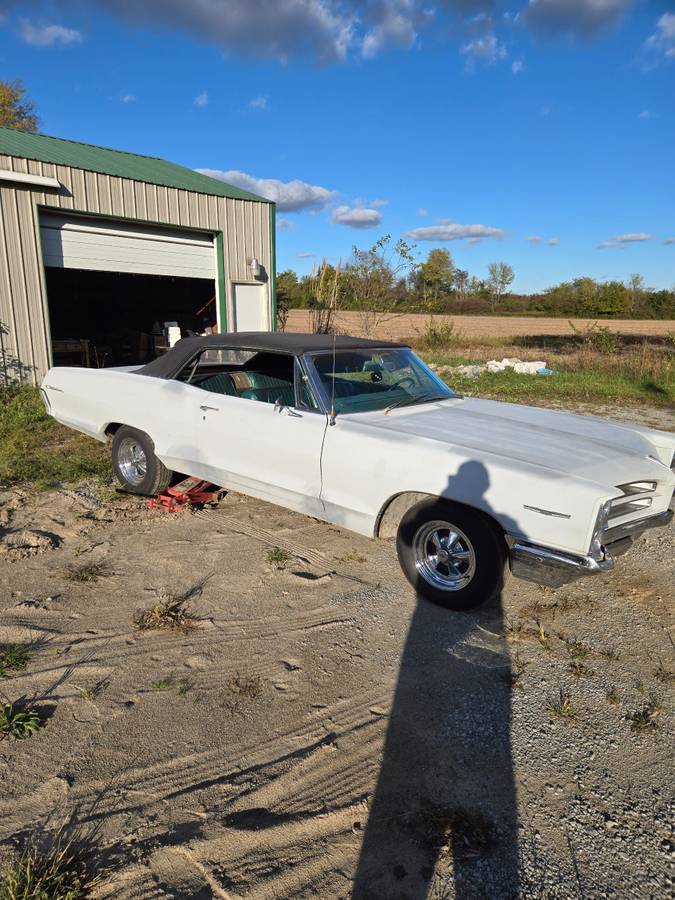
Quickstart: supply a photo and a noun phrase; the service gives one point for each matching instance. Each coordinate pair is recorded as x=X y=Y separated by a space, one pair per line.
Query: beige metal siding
x=23 y=305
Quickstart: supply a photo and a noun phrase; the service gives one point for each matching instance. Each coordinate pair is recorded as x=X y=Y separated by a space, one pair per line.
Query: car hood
x=603 y=451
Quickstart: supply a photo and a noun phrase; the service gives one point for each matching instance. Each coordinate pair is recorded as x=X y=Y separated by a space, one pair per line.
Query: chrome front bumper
x=554 y=568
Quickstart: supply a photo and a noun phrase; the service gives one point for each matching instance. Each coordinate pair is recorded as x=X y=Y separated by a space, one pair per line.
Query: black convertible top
x=173 y=360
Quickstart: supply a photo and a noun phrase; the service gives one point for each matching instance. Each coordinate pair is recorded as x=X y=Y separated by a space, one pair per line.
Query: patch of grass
x=543 y=638
x=513 y=629
x=580 y=669
x=452 y=831
x=35 y=448
x=633 y=375
x=645 y=719
x=13 y=658
x=577 y=649
x=612 y=695
x=278 y=557
x=561 y=706
x=169 y=613
x=248 y=686
x=87 y=573
x=184 y=685
x=665 y=676
x=162 y=684
x=19 y=722
x=609 y=653
x=60 y=872
x=517 y=670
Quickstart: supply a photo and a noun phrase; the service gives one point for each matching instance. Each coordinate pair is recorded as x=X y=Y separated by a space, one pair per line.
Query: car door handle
x=212 y=408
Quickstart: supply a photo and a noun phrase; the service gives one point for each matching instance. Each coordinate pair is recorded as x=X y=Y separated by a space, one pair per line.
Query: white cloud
x=669 y=240
x=285 y=224
x=455 y=232
x=394 y=25
x=356 y=216
x=553 y=242
x=484 y=49
x=290 y=196
x=379 y=202
x=645 y=114
x=421 y=212
x=259 y=102
x=623 y=240
x=202 y=100
x=128 y=98
x=284 y=29
x=48 y=35
x=575 y=18
x=306 y=255
x=517 y=66
x=663 y=39
x=534 y=239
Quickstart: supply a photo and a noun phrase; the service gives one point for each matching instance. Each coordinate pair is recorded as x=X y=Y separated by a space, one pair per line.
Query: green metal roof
x=115 y=162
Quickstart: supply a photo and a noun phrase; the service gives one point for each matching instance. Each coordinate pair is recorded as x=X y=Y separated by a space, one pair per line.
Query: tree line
x=388 y=278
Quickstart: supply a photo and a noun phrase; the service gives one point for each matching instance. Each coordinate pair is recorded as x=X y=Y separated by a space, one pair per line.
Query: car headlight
x=600 y=525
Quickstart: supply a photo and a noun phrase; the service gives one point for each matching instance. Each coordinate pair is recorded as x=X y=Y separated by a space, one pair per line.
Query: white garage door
x=70 y=242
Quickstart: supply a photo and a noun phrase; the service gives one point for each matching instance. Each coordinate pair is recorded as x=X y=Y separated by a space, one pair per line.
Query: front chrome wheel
x=444 y=556
x=132 y=461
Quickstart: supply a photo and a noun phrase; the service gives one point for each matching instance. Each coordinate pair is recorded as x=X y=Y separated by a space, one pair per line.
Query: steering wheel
x=406 y=378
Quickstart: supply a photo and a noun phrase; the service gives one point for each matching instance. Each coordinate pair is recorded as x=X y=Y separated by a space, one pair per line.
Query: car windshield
x=367 y=380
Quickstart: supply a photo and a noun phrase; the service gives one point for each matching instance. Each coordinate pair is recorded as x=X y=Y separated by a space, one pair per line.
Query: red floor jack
x=189 y=492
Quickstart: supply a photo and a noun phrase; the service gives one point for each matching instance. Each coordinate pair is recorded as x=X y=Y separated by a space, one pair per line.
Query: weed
x=609 y=653
x=561 y=706
x=513 y=629
x=278 y=557
x=183 y=687
x=168 y=613
x=87 y=573
x=249 y=686
x=162 y=684
x=665 y=676
x=13 y=658
x=640 y=687
x=58 y=873
x=516 y=671
x=439 y=334
x=612 y=695
x=580 y=669
x=85 y=693
x=598 y=338
x=19 y=723
x=543 y=638
x=577 y=649
x=645 y=719
x=452 y=831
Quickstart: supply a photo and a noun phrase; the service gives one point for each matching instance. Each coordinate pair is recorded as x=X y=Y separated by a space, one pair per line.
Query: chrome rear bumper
x=554 y=568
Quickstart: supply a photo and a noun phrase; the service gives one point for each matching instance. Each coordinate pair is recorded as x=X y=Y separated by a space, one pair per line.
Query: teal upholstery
x=218 y=384
x=285 y=395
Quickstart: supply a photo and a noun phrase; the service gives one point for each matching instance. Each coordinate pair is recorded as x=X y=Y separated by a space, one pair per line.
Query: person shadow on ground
x=443 y=821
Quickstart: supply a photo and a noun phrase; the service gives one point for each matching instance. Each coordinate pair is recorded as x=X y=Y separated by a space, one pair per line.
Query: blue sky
x=538 y=132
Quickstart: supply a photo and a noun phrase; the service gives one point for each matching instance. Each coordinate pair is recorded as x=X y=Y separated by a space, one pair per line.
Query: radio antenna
x=331 y=420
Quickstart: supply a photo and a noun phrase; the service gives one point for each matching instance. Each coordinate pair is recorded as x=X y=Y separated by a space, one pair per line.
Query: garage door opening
x=102 y=319
x=120 y=292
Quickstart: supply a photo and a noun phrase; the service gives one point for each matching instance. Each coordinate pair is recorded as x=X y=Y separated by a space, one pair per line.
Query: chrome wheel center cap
x=443 y=556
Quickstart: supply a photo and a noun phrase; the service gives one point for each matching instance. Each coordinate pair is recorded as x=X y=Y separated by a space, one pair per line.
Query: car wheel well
x=389 y=518
x=111 y=428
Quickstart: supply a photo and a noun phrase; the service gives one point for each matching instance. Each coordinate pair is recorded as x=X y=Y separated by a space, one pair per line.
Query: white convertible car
x=362 y=434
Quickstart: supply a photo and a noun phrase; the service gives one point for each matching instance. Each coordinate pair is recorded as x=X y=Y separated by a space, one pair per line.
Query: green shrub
x=35 y=448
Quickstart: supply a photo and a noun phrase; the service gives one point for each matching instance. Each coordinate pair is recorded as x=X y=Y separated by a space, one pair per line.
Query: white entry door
x=250 y=308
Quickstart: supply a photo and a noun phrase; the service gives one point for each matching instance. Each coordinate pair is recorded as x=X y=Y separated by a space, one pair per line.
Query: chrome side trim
x=547 y=512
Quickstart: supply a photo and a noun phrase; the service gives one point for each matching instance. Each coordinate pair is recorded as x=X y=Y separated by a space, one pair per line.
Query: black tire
x=478 y=577
x=151 y=475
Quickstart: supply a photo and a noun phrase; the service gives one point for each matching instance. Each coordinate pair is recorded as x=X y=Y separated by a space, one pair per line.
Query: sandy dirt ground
x=320 y=732
x=397 y=327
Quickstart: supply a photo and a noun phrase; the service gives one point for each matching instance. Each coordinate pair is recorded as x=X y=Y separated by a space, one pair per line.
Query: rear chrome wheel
x=453 y=555
x=136 y=467
x=132 y=461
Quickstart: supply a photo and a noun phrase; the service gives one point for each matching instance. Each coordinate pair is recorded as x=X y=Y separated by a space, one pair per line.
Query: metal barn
x=106 y=256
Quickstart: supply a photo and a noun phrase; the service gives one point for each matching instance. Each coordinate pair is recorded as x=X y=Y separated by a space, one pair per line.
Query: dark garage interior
x=101 y=319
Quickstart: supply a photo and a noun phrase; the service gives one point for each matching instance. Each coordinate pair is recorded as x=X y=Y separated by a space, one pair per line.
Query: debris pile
x=538 y=367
